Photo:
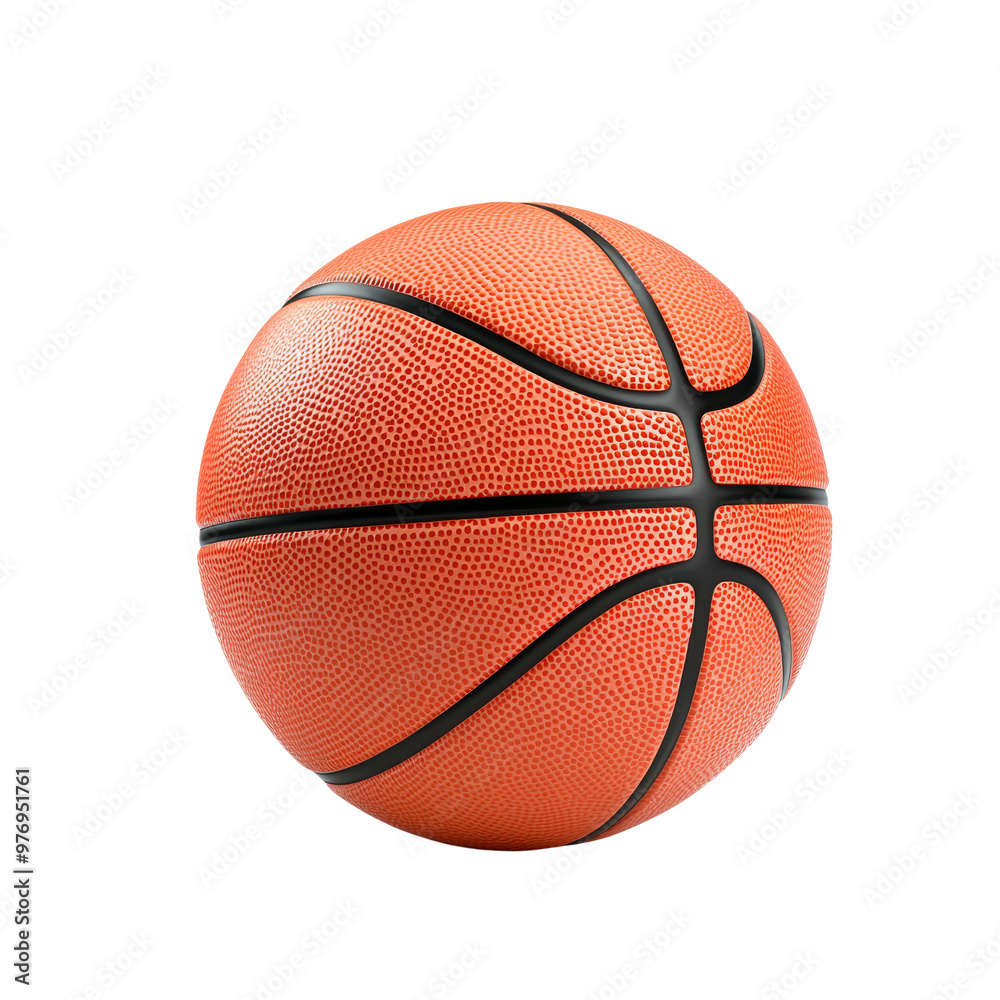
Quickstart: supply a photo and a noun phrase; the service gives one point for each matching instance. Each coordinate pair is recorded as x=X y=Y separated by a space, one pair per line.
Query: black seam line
x=704 y=571
x=641 y=399
x=690 y=406
x=704 y=588
x=504 y=506
x=692 y=572
x=518 y=666
x=697 y=641
x=699 y=400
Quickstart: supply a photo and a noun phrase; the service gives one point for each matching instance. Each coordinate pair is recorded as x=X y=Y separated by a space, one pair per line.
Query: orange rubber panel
x=348 y=640
x=525 y=274
x=342 y=403
x=706 y=320
x=789 y=544
x=738 y=690
x=770 y=437
x=550 y=758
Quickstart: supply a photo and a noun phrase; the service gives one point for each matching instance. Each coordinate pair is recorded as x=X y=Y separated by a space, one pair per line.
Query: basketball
x=514 y=526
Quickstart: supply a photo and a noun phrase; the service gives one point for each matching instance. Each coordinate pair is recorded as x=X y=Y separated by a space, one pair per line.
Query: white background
x=876 y=885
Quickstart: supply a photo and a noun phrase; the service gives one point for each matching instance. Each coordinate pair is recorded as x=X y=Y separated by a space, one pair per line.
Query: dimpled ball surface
x=353 y=638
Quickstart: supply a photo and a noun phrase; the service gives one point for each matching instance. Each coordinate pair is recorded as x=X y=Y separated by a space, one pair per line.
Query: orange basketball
x=514 y=526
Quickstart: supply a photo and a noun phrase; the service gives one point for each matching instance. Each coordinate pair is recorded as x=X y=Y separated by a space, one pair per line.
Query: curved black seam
x=704 y=591
x=641 y=399
x=518 y=666
x=671 y=356
x=700 y=400
x=664 y=400
x=682 y=399
x=501 y=506
x=690 y=673
x=750 y=578
x=690 y=405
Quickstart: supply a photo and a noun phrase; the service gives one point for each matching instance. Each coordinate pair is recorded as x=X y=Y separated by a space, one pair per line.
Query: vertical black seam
x=704 y=571
x=706 y=567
